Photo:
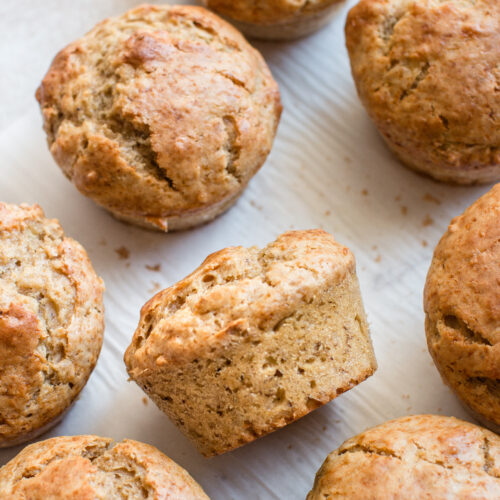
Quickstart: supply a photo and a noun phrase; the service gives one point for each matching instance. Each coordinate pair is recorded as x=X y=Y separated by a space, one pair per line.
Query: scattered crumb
x=398 y=198
x=145 y=401
x=364 y=192
x=439 y=410
x=255 y=205
x=431 y=199
x=347 y=159
x=427 y=221
x=127 y=265
x=103 y=242
x=156 y=287
x=348 y=188
x=123 y=253
x=405 y=396
x=374 y=247
x=378 y=258
x=404 y=210
x=327 y=213
x=156 y=267
x=324 y=427
x=424 y=243
x=289 y=446
x=408 y=409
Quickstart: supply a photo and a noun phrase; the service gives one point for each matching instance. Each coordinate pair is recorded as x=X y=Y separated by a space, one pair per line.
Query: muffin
x=462 y=307
x=51 y=322
x=253 y=340
x=95 y=468
x=428 y=73
x=161 y=115
x=423 y=456
x=276 y=19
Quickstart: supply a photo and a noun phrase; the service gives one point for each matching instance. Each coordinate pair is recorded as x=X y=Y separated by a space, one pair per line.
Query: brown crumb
x=439 y=410
x=364 y=192
x=255 y=205
x=102 y=242
x=289 y=446
x=374 y=247
x=405 y=396
x=156 y=287
x=378 y=258
x=156 y=268
x=347 y=159
x=424 y=243
x=324 y=427
x=431 y=199
x=123 y=253
x=398 y=198
x=327 y=213
x=145 y=401
x=427 y=221
x=404 y=210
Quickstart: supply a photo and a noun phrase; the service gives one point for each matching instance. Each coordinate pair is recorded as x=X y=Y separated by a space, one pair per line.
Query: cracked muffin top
x=462 y=305
x=95 y=468
x=163 y=112
x=428 y=72
x=423 y=456
x=268 y=11
x=51 y=321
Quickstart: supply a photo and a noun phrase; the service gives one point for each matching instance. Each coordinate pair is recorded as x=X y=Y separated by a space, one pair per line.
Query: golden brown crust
x=161 y=115
x=423 y=456
x=275 y=19
x=95 y=468
x=428 y=74
x=51 y=322
x=254 y=339
x=462 y=305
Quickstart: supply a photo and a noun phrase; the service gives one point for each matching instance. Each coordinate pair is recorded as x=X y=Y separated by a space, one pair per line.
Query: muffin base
x=298 y=27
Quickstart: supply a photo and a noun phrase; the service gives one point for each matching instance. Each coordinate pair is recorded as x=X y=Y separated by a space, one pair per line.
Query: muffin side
x=51 y=322
x=278 y=332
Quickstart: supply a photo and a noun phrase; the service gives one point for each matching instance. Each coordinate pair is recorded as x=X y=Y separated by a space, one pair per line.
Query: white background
x=328 y=169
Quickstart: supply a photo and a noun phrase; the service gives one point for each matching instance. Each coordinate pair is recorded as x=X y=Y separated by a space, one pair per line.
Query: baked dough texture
x=95 y=468
x=417 y=457
x=276 y=19
x=462 y=306
x=161 y=115
x=254 y=339
x=428 y=73
x=51 y=322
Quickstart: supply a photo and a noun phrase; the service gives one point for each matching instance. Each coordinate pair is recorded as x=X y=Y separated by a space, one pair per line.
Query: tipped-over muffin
x=51 y=322
x=276 y=19
x=428 y=74
x=161 y=115
x=424 y=456
x=254 y=339
x=462 y=306
x=95 y=468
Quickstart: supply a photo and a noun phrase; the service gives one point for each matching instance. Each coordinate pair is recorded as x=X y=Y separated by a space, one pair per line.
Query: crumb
x=255 y=205
x=155 y=287
x=405 y=396
x=324 y=427
x=156 y=267
x=289 y=446
x=127 y=265
x=123 y=253
x=431 y=199
x=439 y=410
x=408 y=409
x=364 y=192
x=378 y=258
x=404 y=210
x=347 y=159
x=348 y=188
x=398 y=198
x=327 y=213
x=374 y=247
x=145 y=401
x=103 y=242
x=427 y=221
x=424 y=243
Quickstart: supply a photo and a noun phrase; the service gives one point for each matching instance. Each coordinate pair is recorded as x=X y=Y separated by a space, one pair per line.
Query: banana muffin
x=276 y=19
x=428 y=73
x=462 y=307
x=95 y=468
x=161 y=115
x=423 y=456
x=51 y=322
x=254 y=339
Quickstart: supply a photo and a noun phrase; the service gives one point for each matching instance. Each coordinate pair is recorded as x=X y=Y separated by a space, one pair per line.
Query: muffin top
x=462 y=303
x=165 y=110
x=431 y=69
x=91 y=468
x=267 y=11
x=236 y=291
x=51 y=320
x=424 y=456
